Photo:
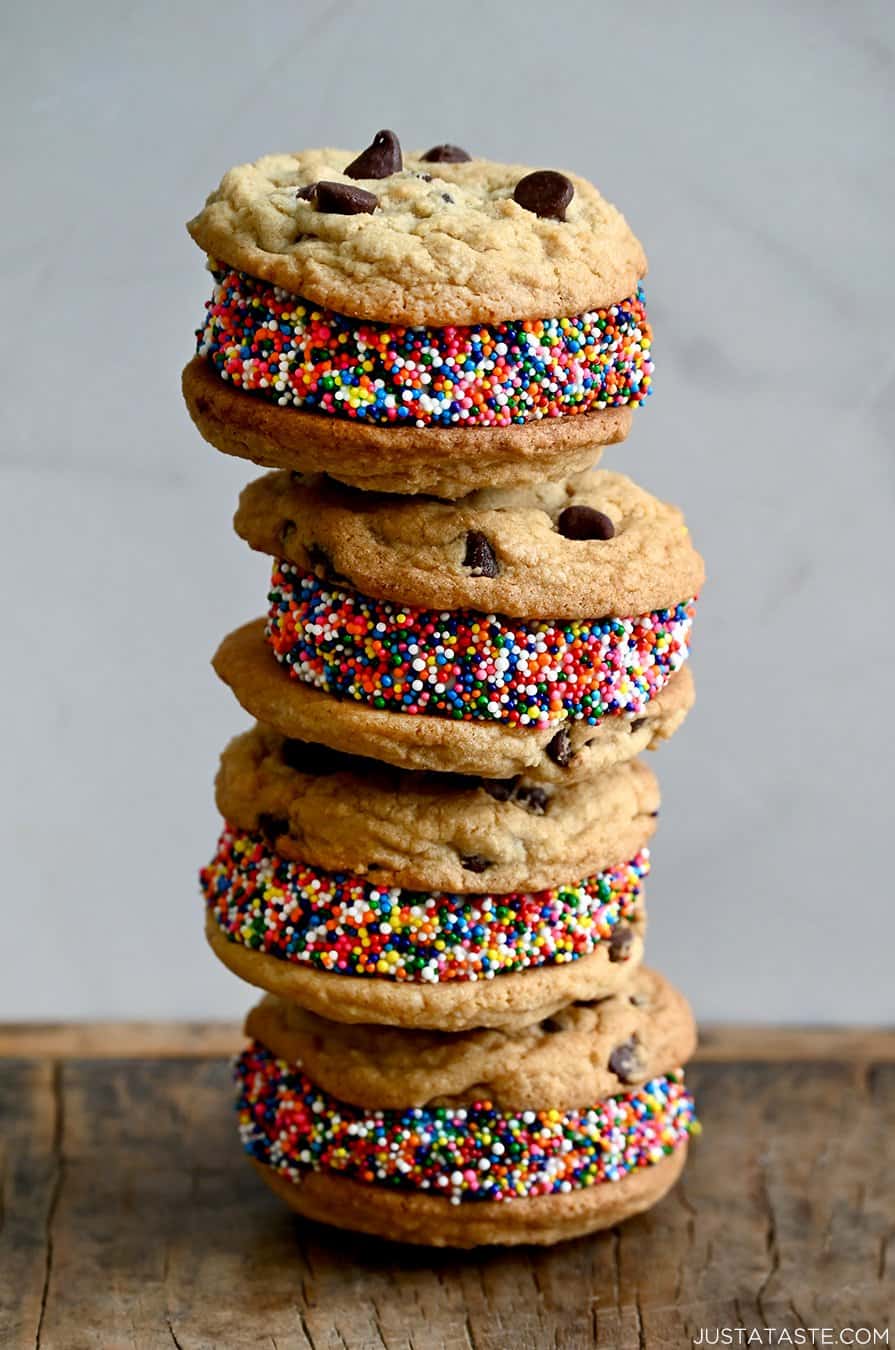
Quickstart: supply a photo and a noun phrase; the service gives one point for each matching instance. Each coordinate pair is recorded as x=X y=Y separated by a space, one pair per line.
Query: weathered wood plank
x=30 y=1178
x=120 y=1040
x=773 y=1045
x=781 y=1219
x=136 y=1224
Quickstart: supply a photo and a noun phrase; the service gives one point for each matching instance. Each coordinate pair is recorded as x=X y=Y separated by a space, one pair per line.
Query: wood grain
x=130 y=1220
x=118 y=1040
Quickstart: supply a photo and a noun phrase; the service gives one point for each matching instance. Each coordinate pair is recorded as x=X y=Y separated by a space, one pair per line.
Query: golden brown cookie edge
x=442 y=461
x=345 y=822
x=245 y=662
x=516 y=265
x=428 y=1220
x=508 y=1000
x=383 y=547
x=560 y=1062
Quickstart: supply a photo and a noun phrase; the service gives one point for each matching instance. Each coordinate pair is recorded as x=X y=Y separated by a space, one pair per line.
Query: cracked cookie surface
x=446 y=243
x=432 y=831
x=583 y=1053
x=428 y=553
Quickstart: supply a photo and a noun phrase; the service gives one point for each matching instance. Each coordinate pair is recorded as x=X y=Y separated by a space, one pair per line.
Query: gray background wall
x=750 y=146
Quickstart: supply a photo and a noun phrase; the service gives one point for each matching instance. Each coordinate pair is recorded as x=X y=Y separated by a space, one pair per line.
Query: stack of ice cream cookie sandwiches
x=436 y=833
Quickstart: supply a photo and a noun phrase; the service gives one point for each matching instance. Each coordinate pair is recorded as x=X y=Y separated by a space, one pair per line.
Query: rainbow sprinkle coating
x=464 y=1153
x=466 y=665
x=297 y=354
x=337 y=922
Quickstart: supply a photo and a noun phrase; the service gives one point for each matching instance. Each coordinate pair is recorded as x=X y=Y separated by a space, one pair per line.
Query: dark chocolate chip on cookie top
x=341 y=199
x=380 y=159
x=627 y=1061
x=446 y=154
x=585 y=522
x=479 y=556
x=545 y=192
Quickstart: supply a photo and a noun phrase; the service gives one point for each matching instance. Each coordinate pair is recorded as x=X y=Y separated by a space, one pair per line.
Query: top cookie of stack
x=417 y=323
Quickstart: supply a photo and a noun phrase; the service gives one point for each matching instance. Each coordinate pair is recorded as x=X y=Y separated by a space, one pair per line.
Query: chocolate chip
x=534 y=799
x=446 y=197
x=447 y=154
x=426 y=177
x=584 y=522
x=307 y=192
x=381 y=158
x=627 y=1061
x=560 y=748
x=545 y=192
x=272 y=827
x=639 y=1000
x=476 y=863
x=620 y=943
x=637 y=723
x=551 y=1026
x=322 y=564
x=480 y=556
x=341 y=199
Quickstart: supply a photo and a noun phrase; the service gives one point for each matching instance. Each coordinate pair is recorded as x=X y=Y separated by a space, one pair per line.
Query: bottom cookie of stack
x=534 y=1135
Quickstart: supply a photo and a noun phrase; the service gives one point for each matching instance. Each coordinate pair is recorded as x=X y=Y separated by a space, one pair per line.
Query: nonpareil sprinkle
x=467 y=665
x=297 y=354
x=340 y=923
x=467 y=1153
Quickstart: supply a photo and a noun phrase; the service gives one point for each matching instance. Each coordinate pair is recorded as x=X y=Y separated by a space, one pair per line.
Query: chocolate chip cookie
x=543 y=1132
x=434 y=326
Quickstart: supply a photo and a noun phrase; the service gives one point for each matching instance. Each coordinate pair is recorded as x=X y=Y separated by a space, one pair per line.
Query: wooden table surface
x=130 y=1220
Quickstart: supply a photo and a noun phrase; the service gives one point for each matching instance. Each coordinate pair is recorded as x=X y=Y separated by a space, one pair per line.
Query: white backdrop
x=748 y=145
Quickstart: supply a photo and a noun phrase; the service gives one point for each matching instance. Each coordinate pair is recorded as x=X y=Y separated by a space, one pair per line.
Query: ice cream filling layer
x=343 y=924
x=297 y=354
x=464 y=1153
x=467 y=665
